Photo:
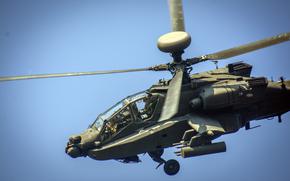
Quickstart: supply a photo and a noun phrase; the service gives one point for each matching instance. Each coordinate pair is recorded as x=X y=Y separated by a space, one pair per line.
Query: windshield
x=99 y=122
x=134 y=97
x=107 y=114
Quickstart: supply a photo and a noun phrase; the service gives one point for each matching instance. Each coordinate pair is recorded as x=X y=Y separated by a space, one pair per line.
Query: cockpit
x=136 y=108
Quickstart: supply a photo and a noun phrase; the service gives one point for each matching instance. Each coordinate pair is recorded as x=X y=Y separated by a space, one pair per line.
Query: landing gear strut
x=171 y=167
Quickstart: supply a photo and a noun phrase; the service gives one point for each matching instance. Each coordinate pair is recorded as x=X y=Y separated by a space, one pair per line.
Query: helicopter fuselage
x=212 y=104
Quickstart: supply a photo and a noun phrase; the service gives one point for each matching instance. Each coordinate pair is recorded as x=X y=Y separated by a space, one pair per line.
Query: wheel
x=171 y=167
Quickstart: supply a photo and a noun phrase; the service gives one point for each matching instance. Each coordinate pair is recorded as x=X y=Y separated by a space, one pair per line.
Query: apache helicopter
x=189 y=111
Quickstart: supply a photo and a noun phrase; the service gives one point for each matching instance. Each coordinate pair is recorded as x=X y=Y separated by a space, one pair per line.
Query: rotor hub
x=174 y=42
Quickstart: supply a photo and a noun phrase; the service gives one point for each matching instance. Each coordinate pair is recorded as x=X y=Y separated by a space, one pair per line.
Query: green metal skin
x=212 y=103
x=188 y=111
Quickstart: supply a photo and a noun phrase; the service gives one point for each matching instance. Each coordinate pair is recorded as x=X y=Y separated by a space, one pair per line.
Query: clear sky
x=37 y=116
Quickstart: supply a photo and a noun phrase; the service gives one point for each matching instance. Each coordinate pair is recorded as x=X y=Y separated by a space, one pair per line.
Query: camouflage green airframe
x=188 y=111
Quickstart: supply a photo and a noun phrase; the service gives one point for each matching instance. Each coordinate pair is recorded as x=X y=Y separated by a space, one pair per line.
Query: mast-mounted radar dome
x=174 y=42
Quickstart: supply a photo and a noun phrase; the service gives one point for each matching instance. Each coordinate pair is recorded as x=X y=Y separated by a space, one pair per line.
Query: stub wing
x=202 y=124
x=198 y=140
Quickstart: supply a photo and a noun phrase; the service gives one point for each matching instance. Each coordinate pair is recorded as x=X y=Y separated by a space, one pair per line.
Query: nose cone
x=79 y=145
x=72 y=148
x=74 y=152
x=75 y=139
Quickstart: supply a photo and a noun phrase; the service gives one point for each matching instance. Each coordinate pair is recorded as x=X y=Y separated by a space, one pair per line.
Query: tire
x=171 y=167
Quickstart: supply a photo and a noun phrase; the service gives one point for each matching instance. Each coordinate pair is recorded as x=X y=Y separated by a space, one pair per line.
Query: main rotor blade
x=242 y=49
x=41 y=76
x=171 y=105
x=248 y=47
x=176 y=15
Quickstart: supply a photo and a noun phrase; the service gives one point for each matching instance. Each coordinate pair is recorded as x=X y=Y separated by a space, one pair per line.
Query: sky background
x=37 y=116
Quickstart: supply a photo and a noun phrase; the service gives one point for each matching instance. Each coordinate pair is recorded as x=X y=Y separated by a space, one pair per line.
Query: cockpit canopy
x=139 y=106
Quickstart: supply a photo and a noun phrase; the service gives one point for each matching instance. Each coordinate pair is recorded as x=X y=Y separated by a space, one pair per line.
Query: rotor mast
x=176 y=41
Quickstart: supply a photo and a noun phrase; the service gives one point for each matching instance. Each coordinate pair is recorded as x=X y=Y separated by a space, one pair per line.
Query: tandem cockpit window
x=99 y=122
x=137 y=107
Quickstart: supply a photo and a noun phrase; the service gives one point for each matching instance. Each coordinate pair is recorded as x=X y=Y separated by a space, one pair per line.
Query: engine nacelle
x=203 y=150
x=218 y=97
x=235 y=93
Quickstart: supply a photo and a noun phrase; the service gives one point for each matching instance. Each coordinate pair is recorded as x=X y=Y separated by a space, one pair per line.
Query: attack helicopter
x=188 y=111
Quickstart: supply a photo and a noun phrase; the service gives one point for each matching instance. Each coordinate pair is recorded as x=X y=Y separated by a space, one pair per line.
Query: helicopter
x=188 y=111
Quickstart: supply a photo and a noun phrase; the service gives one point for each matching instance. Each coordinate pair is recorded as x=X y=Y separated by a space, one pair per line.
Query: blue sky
x=37 y=116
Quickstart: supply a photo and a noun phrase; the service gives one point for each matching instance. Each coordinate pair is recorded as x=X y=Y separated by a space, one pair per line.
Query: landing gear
x=171 y=167
x=156 y=156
